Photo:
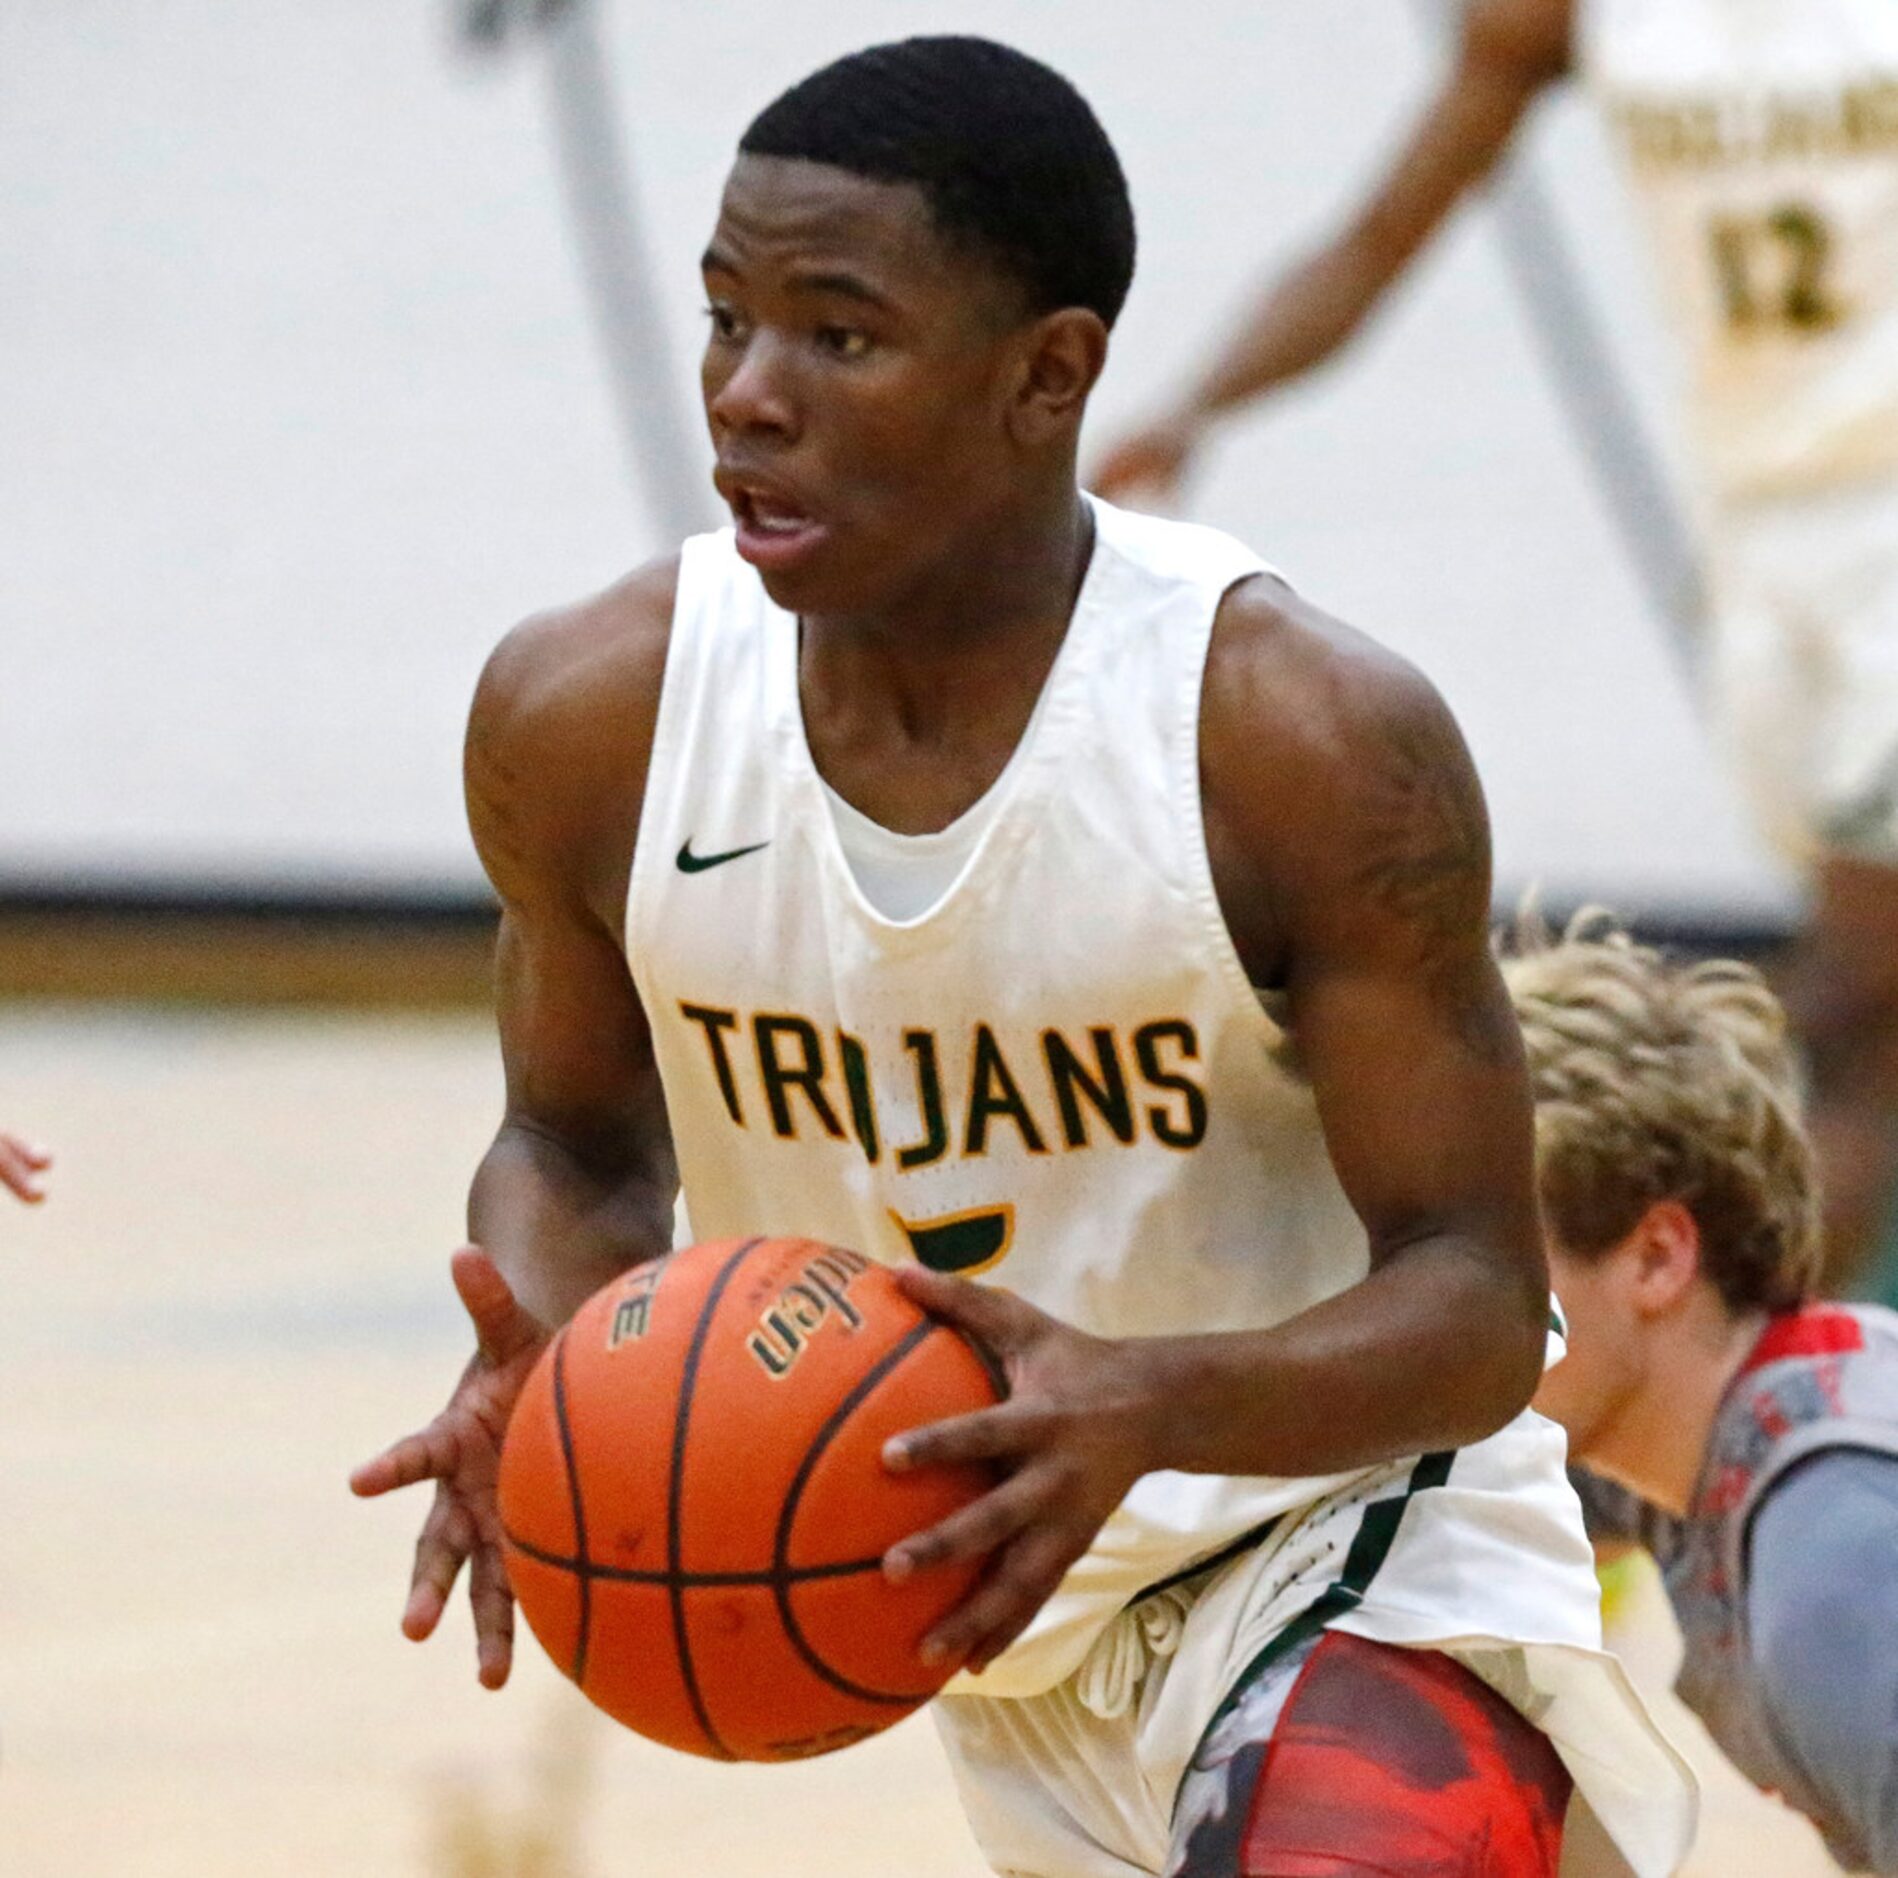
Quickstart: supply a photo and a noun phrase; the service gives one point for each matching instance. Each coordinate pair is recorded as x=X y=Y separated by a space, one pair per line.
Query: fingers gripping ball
x=695 y=1508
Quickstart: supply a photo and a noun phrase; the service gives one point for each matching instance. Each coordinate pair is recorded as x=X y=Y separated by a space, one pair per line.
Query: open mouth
x=772 y=531
x=769 y=516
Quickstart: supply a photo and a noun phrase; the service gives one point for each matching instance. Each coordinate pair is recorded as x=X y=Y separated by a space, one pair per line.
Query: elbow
x=1523 y=1376
x=1501 y=1291
x=1506 y=1375
x=1493 y=1397
x=1526 y=1346
x=1478 y=1294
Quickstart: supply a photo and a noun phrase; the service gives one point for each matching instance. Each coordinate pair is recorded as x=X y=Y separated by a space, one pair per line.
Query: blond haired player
x=21 y=1165
x=1747 y=1436
x=1760 y=138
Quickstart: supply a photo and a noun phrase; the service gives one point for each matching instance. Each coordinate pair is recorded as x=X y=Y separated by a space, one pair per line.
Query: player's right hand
x=460 y=1450
x=1152 y=462
x=21 y=1165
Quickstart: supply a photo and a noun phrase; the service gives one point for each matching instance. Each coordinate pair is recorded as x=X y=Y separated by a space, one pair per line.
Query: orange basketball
x=695 y=1507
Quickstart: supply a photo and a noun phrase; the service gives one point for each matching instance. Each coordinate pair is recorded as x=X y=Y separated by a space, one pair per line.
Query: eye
x=843 y=342
x=727 y=324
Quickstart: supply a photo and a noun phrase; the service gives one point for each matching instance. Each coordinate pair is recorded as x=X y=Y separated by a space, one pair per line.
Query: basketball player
x=896 y=868
x=1754 y=1436
x=21 y=1165
x=1761 y=138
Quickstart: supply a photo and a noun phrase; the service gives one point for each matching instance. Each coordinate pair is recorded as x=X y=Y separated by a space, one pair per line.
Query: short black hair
x=1010 y=157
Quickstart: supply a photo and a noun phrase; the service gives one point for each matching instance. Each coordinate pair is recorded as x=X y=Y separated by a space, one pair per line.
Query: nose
x=751 y=392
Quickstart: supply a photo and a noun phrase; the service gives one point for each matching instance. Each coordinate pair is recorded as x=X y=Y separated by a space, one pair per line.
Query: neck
x=989 y=619
x=1657 y=1443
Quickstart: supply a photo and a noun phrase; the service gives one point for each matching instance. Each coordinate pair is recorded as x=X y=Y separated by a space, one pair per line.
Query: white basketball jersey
x=1762 y=140
x=1058 y=1076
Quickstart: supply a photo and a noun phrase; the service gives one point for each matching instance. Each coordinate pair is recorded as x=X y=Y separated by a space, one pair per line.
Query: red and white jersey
x=1821 y=1378
x=1761 y=137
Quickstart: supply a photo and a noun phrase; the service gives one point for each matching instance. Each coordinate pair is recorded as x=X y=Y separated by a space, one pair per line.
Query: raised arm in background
x=1508 y=51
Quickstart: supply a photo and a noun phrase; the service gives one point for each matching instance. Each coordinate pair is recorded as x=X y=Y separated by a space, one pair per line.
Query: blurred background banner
x=336 y=338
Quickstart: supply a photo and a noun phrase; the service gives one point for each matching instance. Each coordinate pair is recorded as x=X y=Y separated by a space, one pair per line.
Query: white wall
x=299 y=408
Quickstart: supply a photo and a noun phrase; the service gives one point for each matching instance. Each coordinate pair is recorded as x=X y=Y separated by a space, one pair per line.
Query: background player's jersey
x=1819 y=1379
x=1762 y=140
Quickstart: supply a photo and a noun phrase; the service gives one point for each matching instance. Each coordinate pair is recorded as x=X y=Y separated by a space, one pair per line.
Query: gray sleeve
x=1609 y=1512
x=1822 y=1610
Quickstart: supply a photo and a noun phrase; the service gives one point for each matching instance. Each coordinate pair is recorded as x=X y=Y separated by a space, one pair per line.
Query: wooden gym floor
x=237 y=1289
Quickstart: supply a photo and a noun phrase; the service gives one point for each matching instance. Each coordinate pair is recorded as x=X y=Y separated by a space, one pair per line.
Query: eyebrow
x=843 y=286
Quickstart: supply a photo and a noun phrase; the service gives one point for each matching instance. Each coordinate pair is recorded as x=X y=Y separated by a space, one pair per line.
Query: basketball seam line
x=826 y=1432
x=623 y=1574
x=585 y=1626
x=675 y=1493
x=992 y=1364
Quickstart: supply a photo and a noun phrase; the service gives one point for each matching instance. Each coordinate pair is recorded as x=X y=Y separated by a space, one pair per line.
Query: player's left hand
x=460 y=1451
x=1073 y=1436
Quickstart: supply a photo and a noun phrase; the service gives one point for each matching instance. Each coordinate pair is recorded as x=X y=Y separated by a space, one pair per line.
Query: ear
x=1663 y=1253
x=1061 y=358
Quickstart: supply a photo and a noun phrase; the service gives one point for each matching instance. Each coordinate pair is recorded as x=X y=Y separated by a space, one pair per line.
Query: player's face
x=1590 y=1388
x=856 y=380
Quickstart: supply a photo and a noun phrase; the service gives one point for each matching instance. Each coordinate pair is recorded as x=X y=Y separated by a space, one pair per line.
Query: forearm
x=1310 y=311
x=558 y=1225
x=1433 y=1350
x=1302 y=318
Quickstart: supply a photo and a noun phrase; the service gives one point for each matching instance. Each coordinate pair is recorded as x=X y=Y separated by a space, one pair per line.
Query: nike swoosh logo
x=690 y=863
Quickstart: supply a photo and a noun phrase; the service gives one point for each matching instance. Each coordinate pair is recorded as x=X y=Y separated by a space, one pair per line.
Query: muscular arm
x=579 y=1182
x=1510 y=50
x=1351 y=857
x=1822 y=1612
x=1351 y=852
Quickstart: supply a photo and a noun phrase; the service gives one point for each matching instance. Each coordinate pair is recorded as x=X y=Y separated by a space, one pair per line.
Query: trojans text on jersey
x=1057 y=1093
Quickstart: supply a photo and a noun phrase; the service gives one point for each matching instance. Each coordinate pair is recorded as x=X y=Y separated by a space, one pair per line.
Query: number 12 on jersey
x=1773 y=269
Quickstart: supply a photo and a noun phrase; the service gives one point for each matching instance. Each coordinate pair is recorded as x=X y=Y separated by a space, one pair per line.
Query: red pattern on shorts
x=1402 y=1764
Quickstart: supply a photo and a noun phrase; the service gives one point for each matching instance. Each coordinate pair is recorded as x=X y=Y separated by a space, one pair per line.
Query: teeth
x=773 y=519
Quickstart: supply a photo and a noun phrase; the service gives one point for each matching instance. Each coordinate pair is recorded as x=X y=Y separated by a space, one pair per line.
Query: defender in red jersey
x=1746 y=1436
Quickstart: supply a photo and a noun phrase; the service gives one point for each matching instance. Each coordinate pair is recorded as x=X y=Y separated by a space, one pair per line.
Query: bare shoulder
x=1340 y=798
x=559 y=671
x=559 y=736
